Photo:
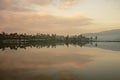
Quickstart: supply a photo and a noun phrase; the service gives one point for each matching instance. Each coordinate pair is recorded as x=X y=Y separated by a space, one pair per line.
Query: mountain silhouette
x=110 y=35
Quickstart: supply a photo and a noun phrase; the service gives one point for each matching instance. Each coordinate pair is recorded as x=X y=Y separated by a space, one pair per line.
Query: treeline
x=15 y=37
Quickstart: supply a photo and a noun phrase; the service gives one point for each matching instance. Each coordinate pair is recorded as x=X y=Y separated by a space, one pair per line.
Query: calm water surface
x=62 y=63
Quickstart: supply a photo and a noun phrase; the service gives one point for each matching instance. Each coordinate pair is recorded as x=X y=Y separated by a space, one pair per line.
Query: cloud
x=14 y=6
x=6 y=4
x=43 y=22
x=41 y=2
x=35 y=5
x=64 y=4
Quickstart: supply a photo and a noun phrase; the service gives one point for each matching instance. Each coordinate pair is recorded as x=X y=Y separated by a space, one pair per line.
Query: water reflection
x=36 y=44
x=114 y=46
x=60 y=63
x=42 y=64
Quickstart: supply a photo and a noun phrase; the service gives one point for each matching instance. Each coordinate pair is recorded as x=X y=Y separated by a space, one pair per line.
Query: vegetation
x=14 y=38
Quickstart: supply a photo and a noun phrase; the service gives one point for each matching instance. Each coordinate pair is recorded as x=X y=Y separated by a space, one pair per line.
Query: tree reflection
x=39 y=44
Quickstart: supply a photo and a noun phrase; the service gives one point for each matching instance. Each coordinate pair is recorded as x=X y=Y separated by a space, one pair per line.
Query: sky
x=59 y=16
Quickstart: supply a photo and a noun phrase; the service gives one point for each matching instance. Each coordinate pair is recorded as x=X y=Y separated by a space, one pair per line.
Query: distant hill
x=111 y=35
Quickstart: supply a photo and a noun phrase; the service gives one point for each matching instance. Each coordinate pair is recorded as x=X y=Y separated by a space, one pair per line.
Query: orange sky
x=59 y=16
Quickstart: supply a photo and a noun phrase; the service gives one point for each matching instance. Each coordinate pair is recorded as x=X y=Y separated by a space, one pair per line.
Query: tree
x=67 y=37
x=91 y=38
x=96 y=38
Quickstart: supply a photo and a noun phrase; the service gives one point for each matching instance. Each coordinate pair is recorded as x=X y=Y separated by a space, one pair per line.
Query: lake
x=93 y=61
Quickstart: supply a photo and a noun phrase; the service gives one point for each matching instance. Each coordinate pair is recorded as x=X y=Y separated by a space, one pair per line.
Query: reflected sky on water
x=60 y=63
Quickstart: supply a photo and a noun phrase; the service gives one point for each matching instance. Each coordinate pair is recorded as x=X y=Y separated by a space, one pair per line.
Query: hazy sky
x=59 y=16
